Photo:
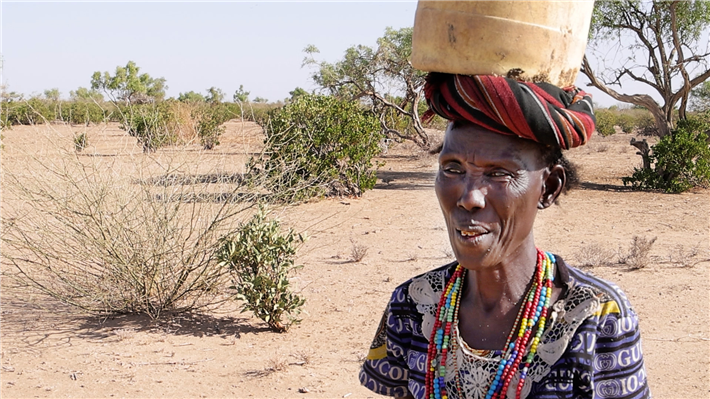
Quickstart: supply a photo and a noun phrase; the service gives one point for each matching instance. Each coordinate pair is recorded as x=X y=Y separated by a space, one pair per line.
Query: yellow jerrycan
x=539 y=41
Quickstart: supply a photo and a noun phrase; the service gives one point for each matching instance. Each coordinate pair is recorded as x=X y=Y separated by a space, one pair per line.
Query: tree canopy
x=129 y=85
x=191 y=97
x=660 y=44
x=382 y=77
x=240 y=95
x=214 y=95
x=701 y=97
x=52 y=94
x=84 y=94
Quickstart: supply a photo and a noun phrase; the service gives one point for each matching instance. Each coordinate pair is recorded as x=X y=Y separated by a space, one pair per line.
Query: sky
x=193 y=46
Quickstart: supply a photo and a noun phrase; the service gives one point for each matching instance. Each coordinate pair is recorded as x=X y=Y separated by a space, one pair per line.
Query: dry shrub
x=183 y=124
x=357 y=251
x=94 y=234
x=276 y=363
x=603 y=147
x=638 y=255
x=685 y=257
x=124 y=333
x=303 y=357
x=594 y=254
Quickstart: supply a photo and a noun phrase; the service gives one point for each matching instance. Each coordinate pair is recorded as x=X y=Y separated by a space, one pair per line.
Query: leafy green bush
x=80 y=142
x=150 y=124
x=30 y=112
x=260 y=258
x=84 y=112
x=37 y=111
x=606 y=120
x=628 y=120
x=679 y=161
x=208 y=126
x=644 y=121
x=318 y=145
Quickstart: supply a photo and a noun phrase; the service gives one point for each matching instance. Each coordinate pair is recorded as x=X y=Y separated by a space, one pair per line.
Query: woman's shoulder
x=424 y=287
x=611 y=298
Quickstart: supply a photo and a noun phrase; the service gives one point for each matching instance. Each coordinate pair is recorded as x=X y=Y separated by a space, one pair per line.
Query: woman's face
x=489 y=187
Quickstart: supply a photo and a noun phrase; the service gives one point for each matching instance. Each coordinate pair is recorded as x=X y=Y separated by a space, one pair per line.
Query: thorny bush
x=106 y=239
x=318 y=146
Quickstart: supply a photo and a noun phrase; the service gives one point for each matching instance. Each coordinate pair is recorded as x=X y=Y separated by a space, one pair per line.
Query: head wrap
x=541 y=112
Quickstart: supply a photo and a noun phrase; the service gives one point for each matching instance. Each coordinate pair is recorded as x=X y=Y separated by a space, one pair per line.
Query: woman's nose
x=473 y=196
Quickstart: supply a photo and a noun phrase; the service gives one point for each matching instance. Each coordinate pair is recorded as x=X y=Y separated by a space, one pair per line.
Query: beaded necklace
x=532 y=316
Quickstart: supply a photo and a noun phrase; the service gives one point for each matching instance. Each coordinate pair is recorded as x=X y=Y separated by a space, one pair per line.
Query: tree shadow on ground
x=175 y=324
x=397 y=180
x=49 y=323
x=604 y=187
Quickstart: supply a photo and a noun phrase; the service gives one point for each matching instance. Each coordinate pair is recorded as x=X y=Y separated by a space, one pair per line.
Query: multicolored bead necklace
x=532 y=316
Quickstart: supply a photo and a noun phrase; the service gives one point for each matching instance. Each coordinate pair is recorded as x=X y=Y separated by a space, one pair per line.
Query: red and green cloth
x=540 y=112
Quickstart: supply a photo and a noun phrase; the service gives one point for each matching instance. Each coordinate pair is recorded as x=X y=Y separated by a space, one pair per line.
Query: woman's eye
x=499 y=173
x=452 y=169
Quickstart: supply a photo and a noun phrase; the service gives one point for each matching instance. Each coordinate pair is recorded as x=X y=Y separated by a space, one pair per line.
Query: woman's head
x=490 y=187
x=501 y=159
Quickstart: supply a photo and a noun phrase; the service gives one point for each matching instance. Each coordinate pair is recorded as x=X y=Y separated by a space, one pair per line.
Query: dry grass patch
x=357 y=251
x=638 y=255
x=594 y=254
x=683 y=257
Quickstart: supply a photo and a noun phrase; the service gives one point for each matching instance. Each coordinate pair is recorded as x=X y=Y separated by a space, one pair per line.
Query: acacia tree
x=84 y=94
x=129 y=85
x=52 y=94
x=214 y=95
x=382 y=77
x=664 y=45
x=701 y=97
x=241 y=96
x=191 y=97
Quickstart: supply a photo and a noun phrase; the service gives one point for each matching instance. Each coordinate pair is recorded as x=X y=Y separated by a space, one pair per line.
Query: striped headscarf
x=540 y=112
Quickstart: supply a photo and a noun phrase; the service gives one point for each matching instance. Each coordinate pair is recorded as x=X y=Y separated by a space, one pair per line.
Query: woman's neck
x=495 y=290
x=492 y=298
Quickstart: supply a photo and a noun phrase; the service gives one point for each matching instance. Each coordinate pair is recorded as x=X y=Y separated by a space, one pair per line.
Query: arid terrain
x=51 y=350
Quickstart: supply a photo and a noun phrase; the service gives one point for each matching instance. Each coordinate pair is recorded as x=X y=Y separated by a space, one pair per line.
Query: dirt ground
x=50 y=350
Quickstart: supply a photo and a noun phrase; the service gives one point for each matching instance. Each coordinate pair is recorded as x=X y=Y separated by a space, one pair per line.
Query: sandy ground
x=49 y=350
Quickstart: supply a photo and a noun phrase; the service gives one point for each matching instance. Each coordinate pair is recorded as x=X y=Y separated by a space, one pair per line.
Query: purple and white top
x=591 y=346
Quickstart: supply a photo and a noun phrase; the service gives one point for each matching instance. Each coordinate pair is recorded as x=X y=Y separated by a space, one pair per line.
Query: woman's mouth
x=466 y=233
x=472 y=235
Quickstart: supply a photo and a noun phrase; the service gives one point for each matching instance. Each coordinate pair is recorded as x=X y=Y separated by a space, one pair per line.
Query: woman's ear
x=552 y=186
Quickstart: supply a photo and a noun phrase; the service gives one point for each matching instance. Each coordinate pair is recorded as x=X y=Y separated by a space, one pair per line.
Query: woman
x=505 y=320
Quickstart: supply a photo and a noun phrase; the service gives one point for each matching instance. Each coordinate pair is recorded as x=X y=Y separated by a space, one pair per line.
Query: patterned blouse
x=591 y=346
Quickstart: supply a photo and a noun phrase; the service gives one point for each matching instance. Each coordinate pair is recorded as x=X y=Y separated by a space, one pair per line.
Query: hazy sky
x=192 y=45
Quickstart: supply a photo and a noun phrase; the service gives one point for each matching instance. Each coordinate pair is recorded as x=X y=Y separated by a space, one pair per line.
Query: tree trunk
x=643 y=150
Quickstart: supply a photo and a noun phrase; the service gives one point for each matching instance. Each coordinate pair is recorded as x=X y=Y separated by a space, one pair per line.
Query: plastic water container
x=540 y=41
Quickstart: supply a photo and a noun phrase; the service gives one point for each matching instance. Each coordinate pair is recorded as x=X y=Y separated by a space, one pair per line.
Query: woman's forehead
x=474 y=140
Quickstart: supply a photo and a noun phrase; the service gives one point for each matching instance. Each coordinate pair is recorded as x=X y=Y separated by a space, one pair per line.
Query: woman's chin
x=473 y=251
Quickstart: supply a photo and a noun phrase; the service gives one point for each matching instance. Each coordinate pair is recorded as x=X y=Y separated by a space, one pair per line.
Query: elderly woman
x=506 y=319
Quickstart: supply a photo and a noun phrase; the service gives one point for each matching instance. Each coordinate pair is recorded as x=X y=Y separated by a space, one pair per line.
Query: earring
x=540 y=205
